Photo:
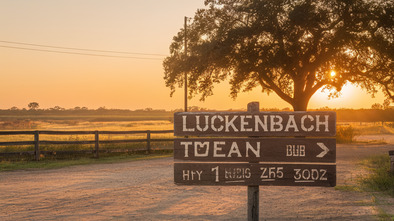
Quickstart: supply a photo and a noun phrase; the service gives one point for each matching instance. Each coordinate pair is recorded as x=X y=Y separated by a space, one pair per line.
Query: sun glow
x=332 y=74
x=348 y=97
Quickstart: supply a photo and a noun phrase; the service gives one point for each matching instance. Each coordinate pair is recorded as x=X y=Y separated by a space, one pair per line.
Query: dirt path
x=144 y=190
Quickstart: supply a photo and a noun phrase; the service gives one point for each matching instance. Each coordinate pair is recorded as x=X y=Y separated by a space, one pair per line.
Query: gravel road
x=144 y=190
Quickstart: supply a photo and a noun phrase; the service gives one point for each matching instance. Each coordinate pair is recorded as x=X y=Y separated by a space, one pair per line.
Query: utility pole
x=185 y=56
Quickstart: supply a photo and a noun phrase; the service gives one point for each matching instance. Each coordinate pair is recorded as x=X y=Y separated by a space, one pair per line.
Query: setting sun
x=332 y=74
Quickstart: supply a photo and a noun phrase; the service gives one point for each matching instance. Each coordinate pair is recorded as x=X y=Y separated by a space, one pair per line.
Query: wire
x=81 y=49
x=77 y=53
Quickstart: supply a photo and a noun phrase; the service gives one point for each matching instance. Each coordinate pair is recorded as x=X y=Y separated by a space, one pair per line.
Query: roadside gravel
x=144 y=190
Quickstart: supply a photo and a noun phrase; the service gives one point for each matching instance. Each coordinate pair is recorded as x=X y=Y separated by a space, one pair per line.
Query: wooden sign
x=247 y=174
x=262 y=124
x=256 y=149
x=271 y=161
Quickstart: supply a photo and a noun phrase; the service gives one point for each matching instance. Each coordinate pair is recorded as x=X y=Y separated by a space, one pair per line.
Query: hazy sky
x=138 y=26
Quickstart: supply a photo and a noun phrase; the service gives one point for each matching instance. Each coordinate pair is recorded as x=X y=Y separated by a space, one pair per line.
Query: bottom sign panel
x=254 y=174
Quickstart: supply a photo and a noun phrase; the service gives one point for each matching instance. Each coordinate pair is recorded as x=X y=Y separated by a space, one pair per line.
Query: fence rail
x=96 y=140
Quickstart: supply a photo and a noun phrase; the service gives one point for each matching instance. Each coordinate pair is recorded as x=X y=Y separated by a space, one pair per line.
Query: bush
x=379 y=179
x=390 y=125
x=345 y=134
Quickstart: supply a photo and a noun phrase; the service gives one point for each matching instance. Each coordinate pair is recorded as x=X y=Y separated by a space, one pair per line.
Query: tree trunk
x=300 y=98
x=300 y=104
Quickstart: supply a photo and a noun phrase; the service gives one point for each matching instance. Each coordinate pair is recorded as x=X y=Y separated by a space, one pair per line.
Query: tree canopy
x=289 y=47
x=33 y=105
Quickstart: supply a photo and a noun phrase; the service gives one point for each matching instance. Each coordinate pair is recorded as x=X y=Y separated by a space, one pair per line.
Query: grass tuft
x=345 y=134
x=379 y=179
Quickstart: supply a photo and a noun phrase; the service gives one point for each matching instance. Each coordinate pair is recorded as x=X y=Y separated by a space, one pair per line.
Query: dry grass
x=88 y=126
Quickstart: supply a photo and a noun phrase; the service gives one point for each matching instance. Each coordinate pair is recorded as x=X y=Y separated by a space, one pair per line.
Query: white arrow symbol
x=324 y=148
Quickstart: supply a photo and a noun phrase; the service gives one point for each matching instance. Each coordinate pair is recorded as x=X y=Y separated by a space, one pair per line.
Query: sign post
x=255 y=149
x=253 y=190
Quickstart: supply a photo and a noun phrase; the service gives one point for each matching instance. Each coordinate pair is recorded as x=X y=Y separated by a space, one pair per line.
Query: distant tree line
x=33 y=107
x=377 y=112
x=365 y=115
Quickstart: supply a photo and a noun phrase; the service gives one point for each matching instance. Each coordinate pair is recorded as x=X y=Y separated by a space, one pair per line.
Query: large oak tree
x=289 y=47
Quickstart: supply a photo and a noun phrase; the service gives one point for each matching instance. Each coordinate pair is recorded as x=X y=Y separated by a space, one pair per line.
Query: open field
x=90 y=126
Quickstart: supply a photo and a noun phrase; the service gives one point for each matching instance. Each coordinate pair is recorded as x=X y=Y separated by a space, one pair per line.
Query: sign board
x=256 y=149
x=261 y=124
x=254 y=174
x=273 y=144
x=295 y=161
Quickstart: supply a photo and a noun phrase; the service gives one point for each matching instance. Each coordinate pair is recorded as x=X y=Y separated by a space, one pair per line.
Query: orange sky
x=143 y=26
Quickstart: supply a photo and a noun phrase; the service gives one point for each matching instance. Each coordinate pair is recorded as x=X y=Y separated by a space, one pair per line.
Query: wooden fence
x=96 y=140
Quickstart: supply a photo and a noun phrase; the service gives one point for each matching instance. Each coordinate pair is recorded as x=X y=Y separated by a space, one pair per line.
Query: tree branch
x=275 y=88
x=317 y=86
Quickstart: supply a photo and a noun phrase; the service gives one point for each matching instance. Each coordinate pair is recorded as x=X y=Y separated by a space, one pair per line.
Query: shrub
x=390 y=125
x=345 y=134
x=379 y=178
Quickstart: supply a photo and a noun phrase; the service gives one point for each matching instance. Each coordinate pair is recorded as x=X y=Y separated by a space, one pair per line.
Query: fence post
x=148 y=141
x=37 y=145
x=391 y=154
x=96 y=144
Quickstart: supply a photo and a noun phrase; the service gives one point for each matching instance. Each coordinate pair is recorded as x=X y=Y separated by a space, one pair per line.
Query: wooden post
x=37 y=145
x=391 y=154
x=148 y=141
x=253 y=191
x=96 y=144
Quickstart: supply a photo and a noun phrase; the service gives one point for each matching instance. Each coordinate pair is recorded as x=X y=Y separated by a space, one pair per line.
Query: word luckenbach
x=256 y=123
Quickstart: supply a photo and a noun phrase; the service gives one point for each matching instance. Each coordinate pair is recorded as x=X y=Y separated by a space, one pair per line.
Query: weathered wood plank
x=50 y=132
x=137 y=132
x=256 y=149
x=122 y=141
x=161 y=131
x=37 y=145
x=16 y=143
x=56 y=142
x=244 y=174
x=235 y=124
x=391 y=154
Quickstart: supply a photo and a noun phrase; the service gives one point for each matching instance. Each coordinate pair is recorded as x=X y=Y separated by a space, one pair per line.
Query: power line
x=77 y=53
x=81 y=49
